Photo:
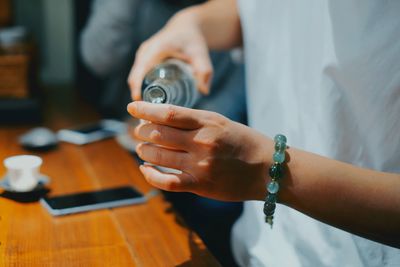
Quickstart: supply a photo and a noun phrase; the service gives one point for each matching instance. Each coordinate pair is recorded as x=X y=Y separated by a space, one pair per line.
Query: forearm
x=361 y=201
x=225 y=160
x=218 y=21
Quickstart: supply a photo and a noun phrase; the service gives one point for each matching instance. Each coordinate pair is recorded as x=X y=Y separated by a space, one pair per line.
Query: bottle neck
x=155 y=94
x=166 y=92
x=178 y=91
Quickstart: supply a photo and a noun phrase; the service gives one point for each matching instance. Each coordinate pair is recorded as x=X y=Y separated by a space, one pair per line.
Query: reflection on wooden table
x=149 y=234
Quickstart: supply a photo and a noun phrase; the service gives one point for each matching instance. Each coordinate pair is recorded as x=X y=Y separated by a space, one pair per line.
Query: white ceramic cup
x=23 y=172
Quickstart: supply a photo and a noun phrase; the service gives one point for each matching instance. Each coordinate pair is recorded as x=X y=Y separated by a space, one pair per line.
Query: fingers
x=162 y=135
x=162 y=46
x=174 y=116
x=202 y=67
x=167 y=181
x=148 y=55
x=145 y=59
x=163 y=156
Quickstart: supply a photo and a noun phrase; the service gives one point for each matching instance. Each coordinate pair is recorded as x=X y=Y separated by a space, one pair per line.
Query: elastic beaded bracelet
x=276 y=173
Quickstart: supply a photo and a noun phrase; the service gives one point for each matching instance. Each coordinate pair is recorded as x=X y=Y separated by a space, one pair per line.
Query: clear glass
x=170 y=82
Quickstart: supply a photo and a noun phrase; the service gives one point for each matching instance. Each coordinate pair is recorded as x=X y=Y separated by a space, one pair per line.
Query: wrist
x=285 y=181
x=190 y=17
x=276 y=174
x=265 y=146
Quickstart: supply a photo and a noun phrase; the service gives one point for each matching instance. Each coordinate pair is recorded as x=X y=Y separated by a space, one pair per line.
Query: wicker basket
x=14 y=76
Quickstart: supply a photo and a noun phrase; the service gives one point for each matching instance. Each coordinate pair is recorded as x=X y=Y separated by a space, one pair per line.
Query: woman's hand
x=181 y=38
x=218 y=158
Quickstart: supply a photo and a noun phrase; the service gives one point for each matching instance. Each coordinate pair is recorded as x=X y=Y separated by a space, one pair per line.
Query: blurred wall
x=51 y=23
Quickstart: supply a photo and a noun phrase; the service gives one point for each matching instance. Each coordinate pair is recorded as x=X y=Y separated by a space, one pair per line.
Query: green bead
x=269 y=208
x=280 y=147
x=271 y=198
x=280 y=138
x=273 y=187
x=276 y=170
x=279 y=157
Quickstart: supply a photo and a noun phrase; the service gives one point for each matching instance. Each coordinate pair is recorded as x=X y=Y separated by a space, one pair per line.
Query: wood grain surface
x=148 y=234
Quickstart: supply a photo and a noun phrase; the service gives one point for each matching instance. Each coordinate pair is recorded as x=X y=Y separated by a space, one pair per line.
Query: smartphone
x=89 y=133
x=94 y=200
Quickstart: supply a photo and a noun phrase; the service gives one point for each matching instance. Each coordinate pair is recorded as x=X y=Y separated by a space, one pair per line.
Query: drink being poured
x=170 y=82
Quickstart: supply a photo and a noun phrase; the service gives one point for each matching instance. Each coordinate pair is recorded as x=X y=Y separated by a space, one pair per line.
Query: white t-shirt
x=327 y=75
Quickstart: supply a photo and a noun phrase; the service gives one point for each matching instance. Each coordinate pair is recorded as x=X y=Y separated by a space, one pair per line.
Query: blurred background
x=52 y=25
x=38 y=52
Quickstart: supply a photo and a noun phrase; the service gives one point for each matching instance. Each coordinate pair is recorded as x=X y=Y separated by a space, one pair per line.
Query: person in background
x=114 y=31
x=326 y=74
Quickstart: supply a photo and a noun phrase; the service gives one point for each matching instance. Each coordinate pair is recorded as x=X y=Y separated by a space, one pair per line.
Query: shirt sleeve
x=109 y=35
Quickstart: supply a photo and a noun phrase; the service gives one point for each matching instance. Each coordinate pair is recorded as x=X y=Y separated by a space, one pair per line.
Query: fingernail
x=132 y=107
x=138 y=149
x=142 y=168
x=207 y=79
x=137 y=92
x=203 y=89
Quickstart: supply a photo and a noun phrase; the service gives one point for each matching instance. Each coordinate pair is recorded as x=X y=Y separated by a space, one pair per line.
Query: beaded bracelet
x=276 y=173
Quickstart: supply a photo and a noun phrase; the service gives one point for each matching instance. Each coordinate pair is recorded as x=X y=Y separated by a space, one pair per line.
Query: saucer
x=42 y=181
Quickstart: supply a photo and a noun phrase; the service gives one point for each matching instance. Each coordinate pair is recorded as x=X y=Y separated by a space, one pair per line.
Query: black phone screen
x=87 y=129
x=92 y=198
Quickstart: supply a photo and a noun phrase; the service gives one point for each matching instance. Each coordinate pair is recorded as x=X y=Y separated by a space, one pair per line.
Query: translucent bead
x=273 y=187
x=269 y=220
x=279 y=157
x=276 y=170
x=280 y=138
x=280 y=147
x=269 y=208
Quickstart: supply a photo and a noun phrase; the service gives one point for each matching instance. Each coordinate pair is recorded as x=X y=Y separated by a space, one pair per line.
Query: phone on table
x=93 y=200
x=92 y=132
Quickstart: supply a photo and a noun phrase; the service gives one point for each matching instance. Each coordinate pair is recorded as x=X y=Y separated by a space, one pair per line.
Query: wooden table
x=149 y=234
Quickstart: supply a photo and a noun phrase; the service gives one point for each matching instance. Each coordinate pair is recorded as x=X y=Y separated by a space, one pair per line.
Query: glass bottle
x=170 y=82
